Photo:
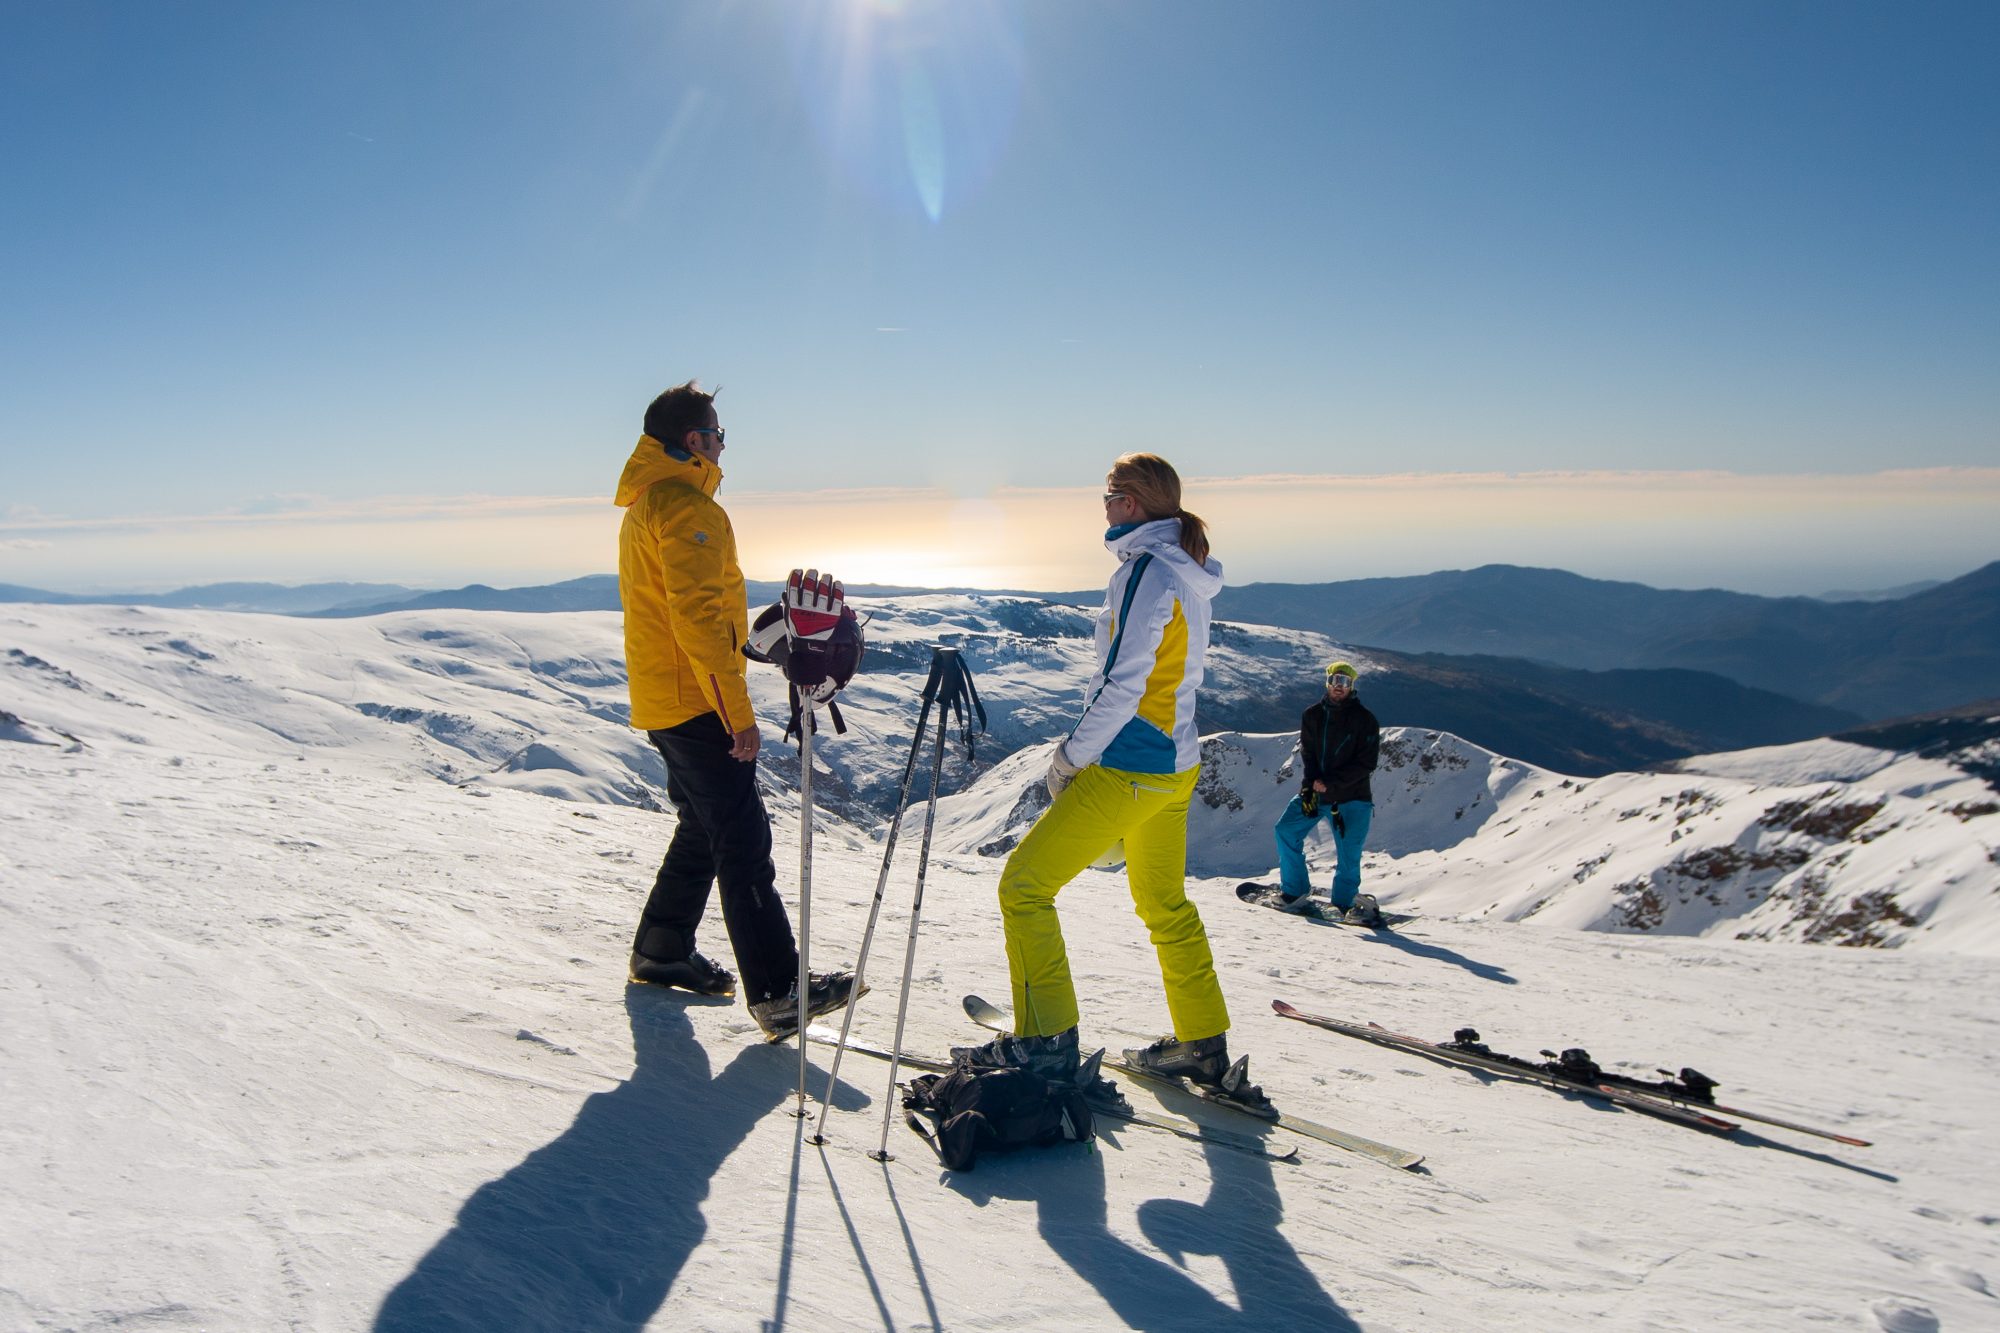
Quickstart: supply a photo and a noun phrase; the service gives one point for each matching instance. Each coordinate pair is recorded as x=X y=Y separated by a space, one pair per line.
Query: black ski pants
x=723 y=839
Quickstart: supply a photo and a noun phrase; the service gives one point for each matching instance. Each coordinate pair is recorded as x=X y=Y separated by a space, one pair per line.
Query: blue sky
x=283 y=285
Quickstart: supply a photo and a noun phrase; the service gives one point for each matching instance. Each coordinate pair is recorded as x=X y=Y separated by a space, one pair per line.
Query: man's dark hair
x=677 y=411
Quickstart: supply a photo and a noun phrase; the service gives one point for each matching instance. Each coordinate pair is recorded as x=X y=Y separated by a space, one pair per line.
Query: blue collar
x=1113 y=534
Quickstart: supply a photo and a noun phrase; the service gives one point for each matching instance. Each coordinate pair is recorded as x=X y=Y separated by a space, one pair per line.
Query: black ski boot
x=825 y=991
x=692 y=973
x=1205 y=1064
x=1365 y=912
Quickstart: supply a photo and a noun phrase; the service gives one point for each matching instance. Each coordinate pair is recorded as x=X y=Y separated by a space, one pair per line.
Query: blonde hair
x=1151 y=483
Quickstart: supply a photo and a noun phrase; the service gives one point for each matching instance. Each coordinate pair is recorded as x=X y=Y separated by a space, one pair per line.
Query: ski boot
x=826 y=991
x=1297 y=906
x=692 y=973
x=1053 y=1057
x=1205 y=1064
x=1365 y=912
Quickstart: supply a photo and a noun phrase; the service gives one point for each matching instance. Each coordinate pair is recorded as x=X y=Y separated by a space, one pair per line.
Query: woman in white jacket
x=1125 y=773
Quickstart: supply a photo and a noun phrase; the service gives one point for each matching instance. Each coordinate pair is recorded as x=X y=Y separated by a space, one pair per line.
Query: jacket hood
x=650 y=463
x=1161 y=539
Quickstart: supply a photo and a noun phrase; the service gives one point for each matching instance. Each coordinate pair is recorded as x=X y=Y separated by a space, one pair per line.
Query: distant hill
x=1582 y=722
x=271 y=598
x=1933 y=649
x=593 y=592
x=1880 y=594
x=1966 y=737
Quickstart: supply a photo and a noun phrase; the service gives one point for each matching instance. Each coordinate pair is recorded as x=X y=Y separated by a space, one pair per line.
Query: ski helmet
x=820 y=668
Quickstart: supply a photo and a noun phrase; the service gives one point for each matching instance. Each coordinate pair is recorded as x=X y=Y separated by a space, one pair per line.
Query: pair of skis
x=1658 y=1102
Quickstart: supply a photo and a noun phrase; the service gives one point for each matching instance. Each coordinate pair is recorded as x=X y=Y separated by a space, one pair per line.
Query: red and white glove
x=813 y=603
x=807 y=609
x=798 y=634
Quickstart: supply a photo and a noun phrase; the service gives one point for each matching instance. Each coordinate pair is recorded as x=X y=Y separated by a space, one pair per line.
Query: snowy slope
x=315 y=1018
x=1825 y=841
x=1910 y=856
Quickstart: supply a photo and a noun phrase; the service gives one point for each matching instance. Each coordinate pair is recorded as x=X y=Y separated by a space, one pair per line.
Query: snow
x=317 y=1018
x=1828 y=760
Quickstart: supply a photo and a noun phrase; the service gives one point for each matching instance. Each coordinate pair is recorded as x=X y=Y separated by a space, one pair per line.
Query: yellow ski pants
x=1101 y=806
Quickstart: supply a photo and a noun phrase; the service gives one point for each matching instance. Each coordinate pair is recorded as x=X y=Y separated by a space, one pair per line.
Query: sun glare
x=914 y=99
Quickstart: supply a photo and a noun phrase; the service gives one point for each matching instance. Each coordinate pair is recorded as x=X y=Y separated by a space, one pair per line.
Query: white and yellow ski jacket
x=1152 y=645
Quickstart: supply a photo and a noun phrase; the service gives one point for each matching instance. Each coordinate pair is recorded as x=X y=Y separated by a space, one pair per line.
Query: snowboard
x=1317 y=909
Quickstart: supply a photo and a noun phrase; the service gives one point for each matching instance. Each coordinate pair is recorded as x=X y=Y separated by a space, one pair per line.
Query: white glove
x=1061 y=770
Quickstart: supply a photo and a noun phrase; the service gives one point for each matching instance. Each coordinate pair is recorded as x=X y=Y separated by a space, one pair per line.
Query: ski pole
x=875 y=910
x=805 y=892
x=910 y=949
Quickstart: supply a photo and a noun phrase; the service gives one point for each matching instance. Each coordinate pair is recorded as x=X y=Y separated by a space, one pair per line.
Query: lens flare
x=914 y=100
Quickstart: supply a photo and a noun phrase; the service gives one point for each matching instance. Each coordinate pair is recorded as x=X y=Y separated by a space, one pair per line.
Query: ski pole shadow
x=1439 y=954
x=591 y=1231
x=910 y=1243
x=1238 y=1223
x=854 y=1239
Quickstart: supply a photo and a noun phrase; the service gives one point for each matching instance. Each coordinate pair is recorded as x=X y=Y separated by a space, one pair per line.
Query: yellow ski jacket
x=686 y=614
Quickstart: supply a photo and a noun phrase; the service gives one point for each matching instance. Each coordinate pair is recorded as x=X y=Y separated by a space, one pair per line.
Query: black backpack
x=974 y=1110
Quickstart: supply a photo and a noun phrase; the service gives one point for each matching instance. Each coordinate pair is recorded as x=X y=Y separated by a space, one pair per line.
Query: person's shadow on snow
x=589 y=1232
x=1438 y=953
x=1238 y=1223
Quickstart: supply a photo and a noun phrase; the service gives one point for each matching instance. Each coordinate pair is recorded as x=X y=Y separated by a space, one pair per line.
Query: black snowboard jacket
x=1340 y=744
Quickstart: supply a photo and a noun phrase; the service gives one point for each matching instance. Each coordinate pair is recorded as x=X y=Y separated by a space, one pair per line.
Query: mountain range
x=1580 y=675
x=275 y=598
x=1933 y=649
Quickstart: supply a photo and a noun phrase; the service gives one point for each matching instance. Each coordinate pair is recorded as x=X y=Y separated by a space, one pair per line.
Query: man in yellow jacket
x=686 y=620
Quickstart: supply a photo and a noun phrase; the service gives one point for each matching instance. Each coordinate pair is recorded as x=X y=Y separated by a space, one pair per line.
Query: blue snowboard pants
x=1350 y=820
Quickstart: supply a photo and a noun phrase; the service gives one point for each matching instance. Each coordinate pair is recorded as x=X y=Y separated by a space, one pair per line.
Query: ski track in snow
x=299 y=1032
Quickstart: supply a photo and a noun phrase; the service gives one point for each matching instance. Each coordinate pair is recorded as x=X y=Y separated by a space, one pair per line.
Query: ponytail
x=1194 y=537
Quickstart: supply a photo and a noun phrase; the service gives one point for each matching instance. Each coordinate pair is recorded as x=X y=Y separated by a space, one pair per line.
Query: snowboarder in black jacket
x=1339 y=743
